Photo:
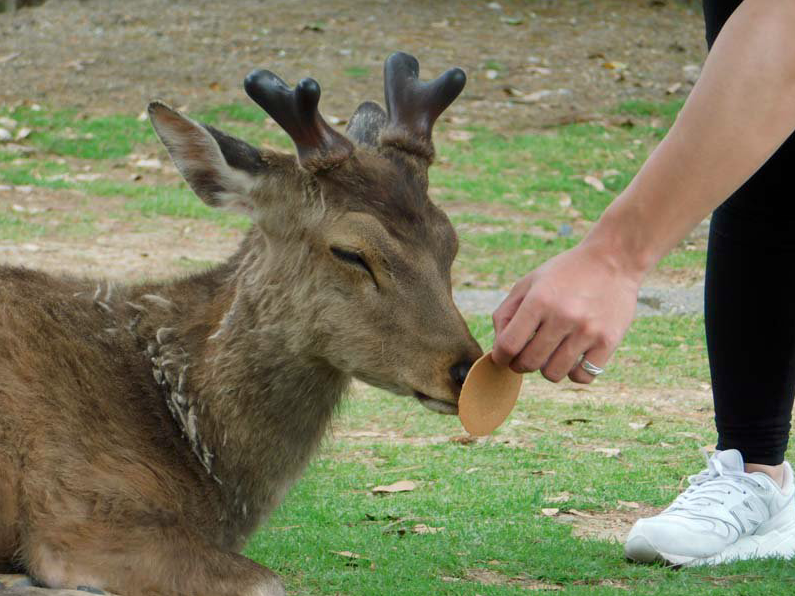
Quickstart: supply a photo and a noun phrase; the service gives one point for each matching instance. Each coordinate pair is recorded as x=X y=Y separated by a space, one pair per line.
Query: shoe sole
x=775 y=543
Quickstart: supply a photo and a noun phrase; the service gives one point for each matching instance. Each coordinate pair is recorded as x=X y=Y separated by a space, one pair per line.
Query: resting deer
x=147 y=430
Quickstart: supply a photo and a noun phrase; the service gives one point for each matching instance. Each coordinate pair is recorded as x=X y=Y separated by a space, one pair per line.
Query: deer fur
x=146 y=430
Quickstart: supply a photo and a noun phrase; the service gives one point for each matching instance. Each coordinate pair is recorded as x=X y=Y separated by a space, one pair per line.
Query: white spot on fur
x=158 y=300
x=164 y=335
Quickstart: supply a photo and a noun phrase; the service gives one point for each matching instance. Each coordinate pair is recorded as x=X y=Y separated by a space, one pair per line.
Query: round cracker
x=488 y=396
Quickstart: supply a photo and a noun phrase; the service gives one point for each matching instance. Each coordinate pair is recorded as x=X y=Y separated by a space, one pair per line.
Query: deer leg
x=138 y=561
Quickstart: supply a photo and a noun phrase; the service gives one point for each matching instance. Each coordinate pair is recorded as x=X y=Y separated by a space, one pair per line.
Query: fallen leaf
x=23 y=133
x=543 y=472
x=673 y=88
x=214 y=86
x=401 y=486
x=512 y=20
x=594 y=182
x=578 y=513
x=570 y=421
x=640 y=425
x=550 y=511
x=512 y=91
x=8 y=123
x=611 y=65
x=346 y=553
x=561 y=498
x=423 y=529
x=5 y=135
x=608 y=451
x=471 y=470
x=149 y=164
x=628 y=504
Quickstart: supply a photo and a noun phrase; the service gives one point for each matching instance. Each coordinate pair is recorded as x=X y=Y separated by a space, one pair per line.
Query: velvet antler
x=413 y=105
x=319 y=146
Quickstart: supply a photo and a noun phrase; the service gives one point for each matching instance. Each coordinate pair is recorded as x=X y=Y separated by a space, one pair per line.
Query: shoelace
x=711 y=487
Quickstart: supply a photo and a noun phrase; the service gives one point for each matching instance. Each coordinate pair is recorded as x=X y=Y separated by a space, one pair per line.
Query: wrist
x=621 y=246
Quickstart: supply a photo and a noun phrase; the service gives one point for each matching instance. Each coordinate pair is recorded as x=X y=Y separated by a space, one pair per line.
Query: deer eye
x=353 y=258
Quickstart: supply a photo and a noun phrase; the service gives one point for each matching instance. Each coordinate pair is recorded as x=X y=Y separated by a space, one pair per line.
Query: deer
x=147 y=430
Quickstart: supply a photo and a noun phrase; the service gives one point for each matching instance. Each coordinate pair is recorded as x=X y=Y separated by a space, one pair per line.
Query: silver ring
x=591 y=369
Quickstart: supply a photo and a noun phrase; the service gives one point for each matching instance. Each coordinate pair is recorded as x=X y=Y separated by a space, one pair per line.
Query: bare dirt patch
x=608 y=525
x=127 y=248
x=529 y=63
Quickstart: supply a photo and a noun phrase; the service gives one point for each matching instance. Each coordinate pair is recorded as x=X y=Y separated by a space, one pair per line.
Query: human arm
x=739 y=112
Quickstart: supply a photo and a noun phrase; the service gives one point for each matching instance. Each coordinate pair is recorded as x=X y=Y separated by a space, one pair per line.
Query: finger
x=506 y=311
x=566 y=357
x=508 y=307
x=540 y=348
x=515 y=335
x=597 y=356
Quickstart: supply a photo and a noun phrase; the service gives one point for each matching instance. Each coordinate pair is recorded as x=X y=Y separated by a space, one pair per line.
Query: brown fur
x=147 y=430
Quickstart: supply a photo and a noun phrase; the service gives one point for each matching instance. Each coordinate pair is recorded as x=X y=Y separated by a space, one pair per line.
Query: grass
x=510 y=197
x=511 y=194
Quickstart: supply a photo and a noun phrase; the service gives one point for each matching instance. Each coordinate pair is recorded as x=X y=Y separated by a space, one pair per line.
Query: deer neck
x=242 y=377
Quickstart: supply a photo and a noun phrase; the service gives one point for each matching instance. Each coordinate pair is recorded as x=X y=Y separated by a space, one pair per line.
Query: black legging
x=749 y=304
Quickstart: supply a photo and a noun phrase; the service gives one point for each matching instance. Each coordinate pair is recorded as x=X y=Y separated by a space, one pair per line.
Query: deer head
x=345 y=235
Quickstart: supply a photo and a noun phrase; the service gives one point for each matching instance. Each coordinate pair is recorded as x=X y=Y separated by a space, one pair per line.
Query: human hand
x=579 y=304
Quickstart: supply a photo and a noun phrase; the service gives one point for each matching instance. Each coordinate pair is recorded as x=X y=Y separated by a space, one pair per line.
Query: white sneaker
x=725 y=515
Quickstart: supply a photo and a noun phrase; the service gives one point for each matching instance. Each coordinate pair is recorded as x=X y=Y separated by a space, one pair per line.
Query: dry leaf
x=561 y=498
x=550 y=511
x=578 y=513
x=214 y=86
x=608 y=451
x=594 y=182
x=23 y=133
x=570 y=421
x=640 y=425
x=611 y=65
x=423 y=529
x=149 y=164
x=401 y=486
x=673 y=88
x=347 y=554
x=543 y=472
x=628 y=504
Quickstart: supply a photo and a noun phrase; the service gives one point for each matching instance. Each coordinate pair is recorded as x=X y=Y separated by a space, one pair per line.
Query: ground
x=564 y=101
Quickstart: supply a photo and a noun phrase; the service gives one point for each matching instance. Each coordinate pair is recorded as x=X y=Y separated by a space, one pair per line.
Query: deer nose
x=459 y=372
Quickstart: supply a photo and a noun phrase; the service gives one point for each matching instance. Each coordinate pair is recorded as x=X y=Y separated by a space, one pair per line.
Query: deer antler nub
x=412 y=105
x=319 y=146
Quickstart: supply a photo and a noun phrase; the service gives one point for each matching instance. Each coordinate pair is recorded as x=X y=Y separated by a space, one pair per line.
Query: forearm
x=740 y=111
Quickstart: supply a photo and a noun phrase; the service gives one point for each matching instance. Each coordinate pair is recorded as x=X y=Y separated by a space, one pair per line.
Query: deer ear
x=221 y=170
x=366 y=124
